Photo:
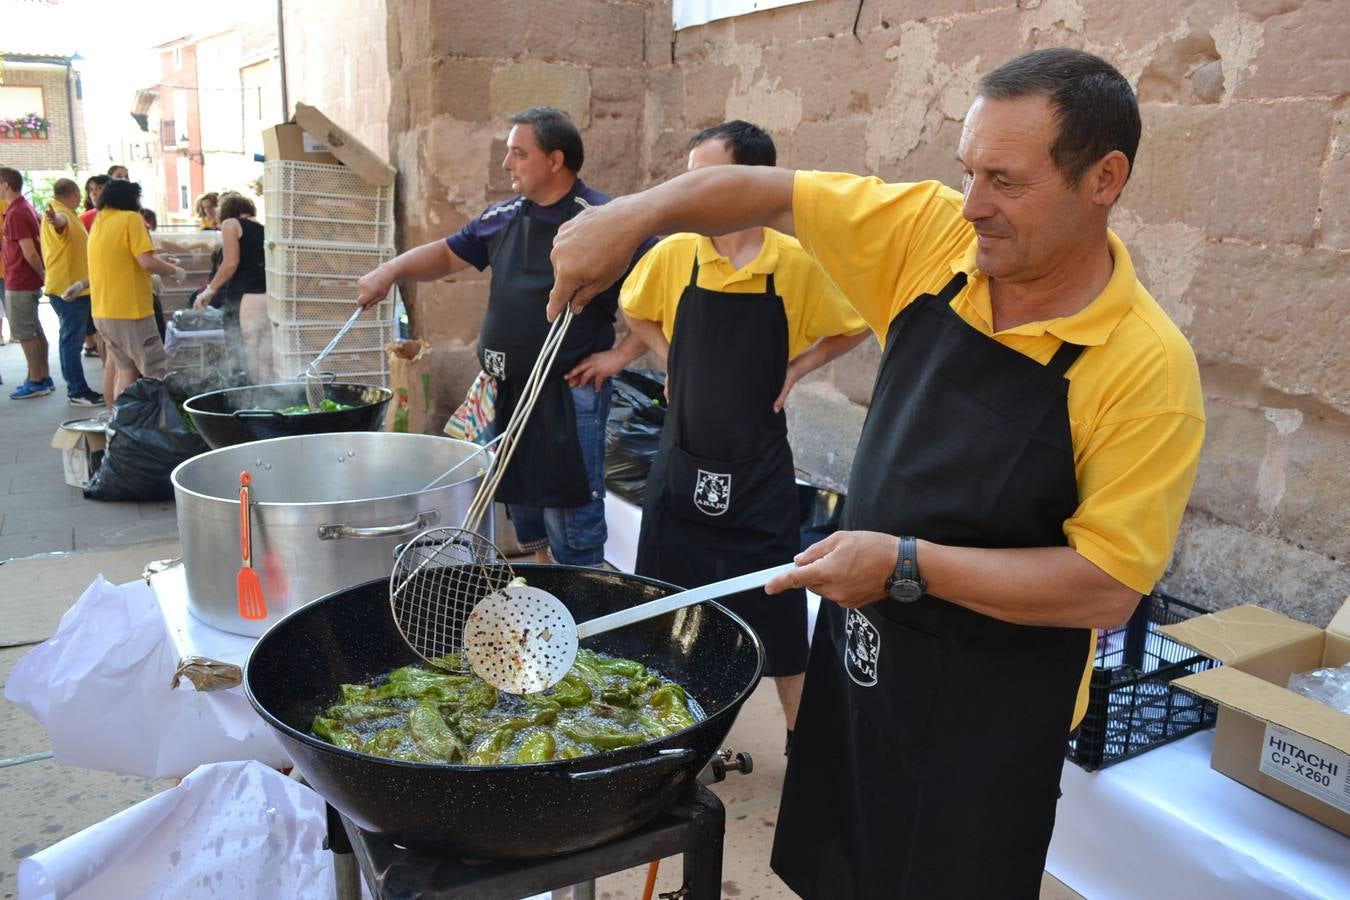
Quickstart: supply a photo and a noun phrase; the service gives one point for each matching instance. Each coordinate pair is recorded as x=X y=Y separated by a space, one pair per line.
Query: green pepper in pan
x=431 y=736
x=571 y=692
x=489 y=750
x=385 y=742
x=603 y=740
x=361 y=712
x=672 y=707
x=331 y=730
x=538 y=747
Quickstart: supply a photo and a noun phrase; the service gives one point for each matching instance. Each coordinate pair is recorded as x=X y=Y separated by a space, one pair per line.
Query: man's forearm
x=1029 y=586
x=717 y=200
x=647 y=334
x=827 y=350
x=34 y=259
x=428 y=262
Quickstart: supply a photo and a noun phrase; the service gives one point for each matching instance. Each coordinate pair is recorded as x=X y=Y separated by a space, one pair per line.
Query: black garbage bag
x=633 y=433
x=148 y=437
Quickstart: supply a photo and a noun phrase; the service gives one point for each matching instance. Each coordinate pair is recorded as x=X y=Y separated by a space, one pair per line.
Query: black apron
x=547 y=468
x=927 y=754
x=721 y=496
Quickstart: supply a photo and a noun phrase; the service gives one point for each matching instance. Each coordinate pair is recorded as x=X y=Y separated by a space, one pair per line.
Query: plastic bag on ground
x=234 y=829
x=633 y=433
x=147 y=439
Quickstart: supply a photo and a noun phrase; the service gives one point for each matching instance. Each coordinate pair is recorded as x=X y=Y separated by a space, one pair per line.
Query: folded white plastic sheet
x=238 y=830
x=100 y=686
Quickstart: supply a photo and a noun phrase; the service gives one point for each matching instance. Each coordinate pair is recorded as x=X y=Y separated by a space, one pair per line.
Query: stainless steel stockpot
x=328 y=512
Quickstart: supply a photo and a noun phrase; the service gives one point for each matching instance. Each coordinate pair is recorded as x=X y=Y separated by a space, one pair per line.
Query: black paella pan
x=502 y=811
x=243 y=414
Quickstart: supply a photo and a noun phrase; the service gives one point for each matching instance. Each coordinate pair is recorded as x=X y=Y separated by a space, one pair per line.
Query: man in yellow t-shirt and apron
x=1031 y=442
x=738 y=319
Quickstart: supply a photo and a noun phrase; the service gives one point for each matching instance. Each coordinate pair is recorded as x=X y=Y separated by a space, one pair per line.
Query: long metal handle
x=474 y=455
x=342 y=332
x=423 y=520
x=672 y=602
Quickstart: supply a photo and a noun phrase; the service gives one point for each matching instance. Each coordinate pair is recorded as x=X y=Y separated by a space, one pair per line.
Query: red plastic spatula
x=251 y=603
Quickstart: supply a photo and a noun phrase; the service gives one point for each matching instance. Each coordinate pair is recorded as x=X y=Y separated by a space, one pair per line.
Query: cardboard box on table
x=1287 y=746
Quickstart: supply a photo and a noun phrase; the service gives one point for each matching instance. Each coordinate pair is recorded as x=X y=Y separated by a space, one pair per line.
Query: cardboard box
x=350 y=152
x=1287 y=746
x=81 y=453
x=290 y=141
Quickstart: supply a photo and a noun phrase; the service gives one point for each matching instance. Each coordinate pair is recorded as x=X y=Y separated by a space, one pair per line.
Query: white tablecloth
x=1165 y=825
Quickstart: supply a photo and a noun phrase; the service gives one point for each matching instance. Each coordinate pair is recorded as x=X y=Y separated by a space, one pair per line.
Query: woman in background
x=206 y=209
x=239 y=286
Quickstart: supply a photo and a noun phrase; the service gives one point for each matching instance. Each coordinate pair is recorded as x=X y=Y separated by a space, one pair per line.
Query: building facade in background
x=41 y=116
x=215 y=96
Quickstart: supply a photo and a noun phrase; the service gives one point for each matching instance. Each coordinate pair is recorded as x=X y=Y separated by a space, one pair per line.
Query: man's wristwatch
x=905 y=585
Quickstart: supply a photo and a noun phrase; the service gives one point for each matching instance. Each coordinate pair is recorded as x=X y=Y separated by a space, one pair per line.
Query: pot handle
x=666 y=759
x=256 y=414
x=424 y=520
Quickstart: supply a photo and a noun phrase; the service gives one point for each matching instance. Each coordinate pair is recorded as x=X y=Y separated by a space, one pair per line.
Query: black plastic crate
x=1132 y=706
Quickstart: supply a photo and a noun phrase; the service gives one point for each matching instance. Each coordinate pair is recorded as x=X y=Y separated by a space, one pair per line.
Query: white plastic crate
x=361 y=350
x=319 y=271
x=311 y=202
x=299 y=311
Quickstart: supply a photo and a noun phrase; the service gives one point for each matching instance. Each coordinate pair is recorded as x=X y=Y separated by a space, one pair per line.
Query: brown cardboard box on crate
x=1287 y=746
x=290 y=141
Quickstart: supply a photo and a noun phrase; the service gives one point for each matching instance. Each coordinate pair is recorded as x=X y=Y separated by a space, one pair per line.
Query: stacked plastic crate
x=326 y=227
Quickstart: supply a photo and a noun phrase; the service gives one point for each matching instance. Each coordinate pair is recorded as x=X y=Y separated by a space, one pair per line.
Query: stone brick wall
x=1235 y=214
x=457 y=72
x=53 y=154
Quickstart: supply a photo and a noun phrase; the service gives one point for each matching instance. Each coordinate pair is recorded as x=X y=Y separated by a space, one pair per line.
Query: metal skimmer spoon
x=522 y=639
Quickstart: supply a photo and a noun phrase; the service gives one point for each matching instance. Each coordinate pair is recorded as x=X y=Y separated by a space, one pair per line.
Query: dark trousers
x=75 y=318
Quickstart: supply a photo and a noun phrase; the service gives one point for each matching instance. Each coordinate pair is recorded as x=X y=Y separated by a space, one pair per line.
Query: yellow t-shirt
x=814 y=308
x=120 y=288
x=1136 y=412
x=64 y=253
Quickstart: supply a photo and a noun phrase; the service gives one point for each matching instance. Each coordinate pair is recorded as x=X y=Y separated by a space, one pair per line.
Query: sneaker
x=30 y=389
x=48 y=384
x=91 y=352
x=88 y=398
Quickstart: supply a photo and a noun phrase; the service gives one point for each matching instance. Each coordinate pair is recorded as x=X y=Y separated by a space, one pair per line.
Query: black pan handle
x=256 y=414
x=665 y=759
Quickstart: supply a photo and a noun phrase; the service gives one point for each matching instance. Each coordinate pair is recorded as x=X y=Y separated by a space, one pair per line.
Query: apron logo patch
x=862 y=648
x=712 y=492
x=494 y=363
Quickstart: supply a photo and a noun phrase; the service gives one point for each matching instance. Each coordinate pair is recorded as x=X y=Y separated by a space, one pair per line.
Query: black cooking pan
x=243 y=414
x=507 y=811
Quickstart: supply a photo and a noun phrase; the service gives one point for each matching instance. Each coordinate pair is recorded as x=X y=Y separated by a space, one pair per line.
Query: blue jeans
x=575 y=535
x=74 y=318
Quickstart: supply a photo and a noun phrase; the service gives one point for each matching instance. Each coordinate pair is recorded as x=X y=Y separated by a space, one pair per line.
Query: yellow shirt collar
x=764 y=262
x=1090 y=326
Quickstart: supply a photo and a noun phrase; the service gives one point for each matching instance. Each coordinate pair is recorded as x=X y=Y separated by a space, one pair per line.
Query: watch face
x=905 y=591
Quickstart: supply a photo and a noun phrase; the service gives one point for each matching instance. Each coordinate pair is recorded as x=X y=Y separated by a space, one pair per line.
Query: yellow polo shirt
x=814 y=307
x=120 y=288
x=64 y=253
x=1135 y=408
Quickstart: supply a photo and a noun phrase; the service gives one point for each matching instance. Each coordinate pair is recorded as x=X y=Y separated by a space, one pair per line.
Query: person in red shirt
x=24 y=275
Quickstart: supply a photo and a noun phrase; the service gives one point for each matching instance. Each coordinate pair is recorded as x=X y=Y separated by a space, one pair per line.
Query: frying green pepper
x=672 y=707
x=385 y=742
x=431 y=736
x=571 y=692
x=538 y=747
x=489 y=750
x=603 y=740
x=331 y=730
x=360 y=712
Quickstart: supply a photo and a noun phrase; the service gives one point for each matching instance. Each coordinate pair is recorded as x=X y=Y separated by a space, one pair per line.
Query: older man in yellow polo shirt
x=65 y=254
x=1028 y=453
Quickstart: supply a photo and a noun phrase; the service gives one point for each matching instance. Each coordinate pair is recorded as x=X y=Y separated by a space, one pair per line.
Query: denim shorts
x=575 y=535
